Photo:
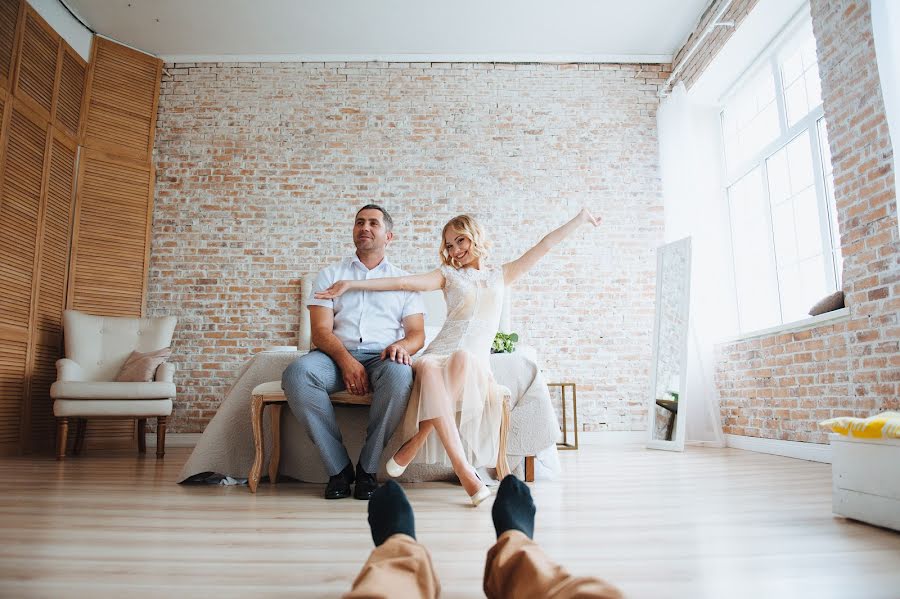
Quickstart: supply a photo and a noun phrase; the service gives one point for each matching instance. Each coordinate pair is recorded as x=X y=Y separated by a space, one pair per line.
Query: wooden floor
x=707 y=523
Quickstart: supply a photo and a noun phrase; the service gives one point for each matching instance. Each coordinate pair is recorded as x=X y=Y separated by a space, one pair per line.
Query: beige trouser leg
x=398 y=568
x=517 y=567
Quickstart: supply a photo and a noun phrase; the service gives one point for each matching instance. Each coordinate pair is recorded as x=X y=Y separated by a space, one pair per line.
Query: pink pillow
x=140 y=368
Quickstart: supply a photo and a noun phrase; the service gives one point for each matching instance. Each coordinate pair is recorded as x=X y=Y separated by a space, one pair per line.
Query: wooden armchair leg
x=80 y=432
x=142 y=435
x=160 y=436
x=62 y=437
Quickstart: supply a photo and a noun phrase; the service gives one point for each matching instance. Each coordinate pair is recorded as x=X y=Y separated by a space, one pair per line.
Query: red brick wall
x=780 y=386
x=261 y=168
x=699 y=59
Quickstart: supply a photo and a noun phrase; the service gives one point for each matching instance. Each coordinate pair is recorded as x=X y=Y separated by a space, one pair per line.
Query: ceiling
x=404 y=30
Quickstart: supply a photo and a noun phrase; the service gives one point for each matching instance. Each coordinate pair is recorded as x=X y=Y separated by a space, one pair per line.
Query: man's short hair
x=388 y=221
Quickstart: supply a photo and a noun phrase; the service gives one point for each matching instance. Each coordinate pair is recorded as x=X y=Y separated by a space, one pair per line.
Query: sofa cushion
x=829 y=303
x=140 y=367
x=104 y=407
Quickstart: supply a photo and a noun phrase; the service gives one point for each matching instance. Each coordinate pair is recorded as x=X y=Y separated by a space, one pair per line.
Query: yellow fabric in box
x=880 y=426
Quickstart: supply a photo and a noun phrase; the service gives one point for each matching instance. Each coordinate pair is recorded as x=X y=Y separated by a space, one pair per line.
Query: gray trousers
x=310 y=379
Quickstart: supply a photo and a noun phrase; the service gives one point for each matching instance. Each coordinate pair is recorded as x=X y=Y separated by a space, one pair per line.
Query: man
x=363 y=343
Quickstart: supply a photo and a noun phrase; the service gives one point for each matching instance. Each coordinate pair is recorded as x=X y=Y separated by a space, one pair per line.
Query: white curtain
x=695 y=205
x=886 y=30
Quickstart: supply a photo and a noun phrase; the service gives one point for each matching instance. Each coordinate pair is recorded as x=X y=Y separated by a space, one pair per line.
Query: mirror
x=669 y=365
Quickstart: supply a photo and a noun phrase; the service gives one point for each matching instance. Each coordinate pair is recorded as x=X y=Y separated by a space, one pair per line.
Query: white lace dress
x=453 y=375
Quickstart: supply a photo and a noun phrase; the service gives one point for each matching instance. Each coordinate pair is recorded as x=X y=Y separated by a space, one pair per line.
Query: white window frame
x=769 y=59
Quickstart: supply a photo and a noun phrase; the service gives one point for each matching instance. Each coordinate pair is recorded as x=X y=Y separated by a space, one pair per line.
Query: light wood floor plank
x=706 y=523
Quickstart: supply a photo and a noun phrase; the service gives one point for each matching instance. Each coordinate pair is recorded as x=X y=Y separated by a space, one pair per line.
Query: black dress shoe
x=365 y=484
x=338 y=485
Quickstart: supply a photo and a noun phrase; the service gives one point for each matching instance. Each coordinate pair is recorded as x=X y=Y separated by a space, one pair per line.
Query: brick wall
x=696 y=63
x=779 y=386
x=261 y=167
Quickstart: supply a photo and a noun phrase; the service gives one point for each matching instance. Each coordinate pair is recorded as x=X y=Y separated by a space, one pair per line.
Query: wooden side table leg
x=256 y=409
x=275 y=416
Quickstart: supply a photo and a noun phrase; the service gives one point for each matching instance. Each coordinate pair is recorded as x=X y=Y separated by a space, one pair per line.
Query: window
x=784 y=236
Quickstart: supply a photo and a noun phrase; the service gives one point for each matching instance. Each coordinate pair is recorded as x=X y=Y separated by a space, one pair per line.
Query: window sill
x=838 y=315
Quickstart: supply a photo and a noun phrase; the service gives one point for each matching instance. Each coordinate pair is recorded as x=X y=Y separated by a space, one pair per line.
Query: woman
x=453 y=375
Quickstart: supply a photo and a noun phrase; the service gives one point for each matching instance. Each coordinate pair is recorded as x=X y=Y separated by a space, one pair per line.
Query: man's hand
x=396 y=353
x=355 y=378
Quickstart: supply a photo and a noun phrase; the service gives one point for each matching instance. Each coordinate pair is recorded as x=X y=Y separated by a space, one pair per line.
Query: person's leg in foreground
x=398 y=567
x=517 y=567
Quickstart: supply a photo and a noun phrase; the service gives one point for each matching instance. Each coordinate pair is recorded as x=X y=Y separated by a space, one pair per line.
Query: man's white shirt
x=366 y=320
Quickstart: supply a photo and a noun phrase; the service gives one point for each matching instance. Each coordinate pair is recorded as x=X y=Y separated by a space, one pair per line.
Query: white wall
x=75 y=34
x=886 y=29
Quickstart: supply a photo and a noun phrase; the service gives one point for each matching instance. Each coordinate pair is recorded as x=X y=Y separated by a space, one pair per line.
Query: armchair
x=96 y=348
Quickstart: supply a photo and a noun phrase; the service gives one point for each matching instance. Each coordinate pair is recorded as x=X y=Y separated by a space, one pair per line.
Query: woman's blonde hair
x=468 y=227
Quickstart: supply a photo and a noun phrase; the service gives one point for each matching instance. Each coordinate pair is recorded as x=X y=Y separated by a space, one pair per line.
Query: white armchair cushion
x=106 y=391
x=103 y=407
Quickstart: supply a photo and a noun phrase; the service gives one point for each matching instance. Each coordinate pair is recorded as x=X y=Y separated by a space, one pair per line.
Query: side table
x=565 y=425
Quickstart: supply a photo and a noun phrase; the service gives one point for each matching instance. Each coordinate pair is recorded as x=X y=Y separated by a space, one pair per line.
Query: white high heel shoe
x=394 y=469
x=480 y=495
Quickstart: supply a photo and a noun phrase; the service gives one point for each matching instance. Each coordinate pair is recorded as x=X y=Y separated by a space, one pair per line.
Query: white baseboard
x=175 y=439
x=814 y=452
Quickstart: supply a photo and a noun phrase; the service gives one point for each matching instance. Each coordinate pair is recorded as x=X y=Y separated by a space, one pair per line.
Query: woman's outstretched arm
x=518 y=267
x=428 y=281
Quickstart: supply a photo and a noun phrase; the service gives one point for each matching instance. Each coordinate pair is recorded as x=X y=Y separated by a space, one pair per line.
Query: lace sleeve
x=449 y=273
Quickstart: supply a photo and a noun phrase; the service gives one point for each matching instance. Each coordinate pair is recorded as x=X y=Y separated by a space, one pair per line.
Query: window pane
x=797 y=229
x=800 y=75
x=825 y=151
x=750 y=119
x=755 y=275
x=806 y=217
x=800 y=166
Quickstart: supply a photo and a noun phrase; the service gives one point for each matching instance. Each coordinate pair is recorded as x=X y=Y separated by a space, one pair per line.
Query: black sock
x=390 y=513
x=348 y=473
x=513 y=507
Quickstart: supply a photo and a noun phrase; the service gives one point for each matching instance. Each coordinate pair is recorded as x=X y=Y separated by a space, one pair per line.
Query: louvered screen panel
x=9 y=17
x=102 y=433
x=19 y=202
x=122 y=96
x=43 y=373
x=12 y=389
x=111 y=236
x=71 y=91
x=56 y=232
x=36 y=75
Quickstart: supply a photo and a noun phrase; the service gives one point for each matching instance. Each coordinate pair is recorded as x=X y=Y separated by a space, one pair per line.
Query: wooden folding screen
x=60 y=249
x=111 y=243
